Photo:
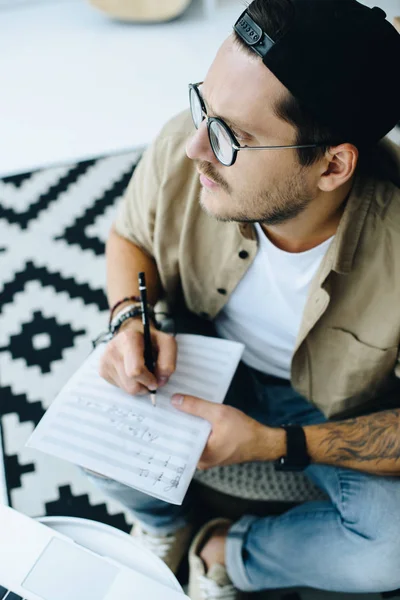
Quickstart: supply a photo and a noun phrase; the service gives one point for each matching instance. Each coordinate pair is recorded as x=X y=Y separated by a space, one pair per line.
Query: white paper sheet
x=154 y=449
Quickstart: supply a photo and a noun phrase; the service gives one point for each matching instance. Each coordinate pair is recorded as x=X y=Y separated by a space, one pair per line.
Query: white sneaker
x=215 y=584
x=171 y=548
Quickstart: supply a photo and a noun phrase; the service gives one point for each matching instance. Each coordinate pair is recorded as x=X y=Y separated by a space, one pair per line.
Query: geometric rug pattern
x=53 y=226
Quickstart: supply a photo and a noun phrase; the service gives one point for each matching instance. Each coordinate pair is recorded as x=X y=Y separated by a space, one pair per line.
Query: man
x=281 y=227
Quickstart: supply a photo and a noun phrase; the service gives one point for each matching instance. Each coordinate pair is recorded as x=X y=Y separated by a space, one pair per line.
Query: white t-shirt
x=264 y=311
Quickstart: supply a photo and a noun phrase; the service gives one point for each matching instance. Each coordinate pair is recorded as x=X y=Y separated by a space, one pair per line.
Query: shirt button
x=243 y=254
x=221 y=291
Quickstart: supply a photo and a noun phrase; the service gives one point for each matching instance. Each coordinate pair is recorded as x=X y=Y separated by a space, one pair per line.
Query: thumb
x=195 y=406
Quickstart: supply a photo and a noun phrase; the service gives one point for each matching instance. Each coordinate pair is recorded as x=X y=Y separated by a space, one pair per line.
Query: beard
x=266 y=206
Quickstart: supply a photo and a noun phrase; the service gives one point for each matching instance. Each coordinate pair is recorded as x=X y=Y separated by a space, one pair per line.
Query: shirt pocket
x=354 y=367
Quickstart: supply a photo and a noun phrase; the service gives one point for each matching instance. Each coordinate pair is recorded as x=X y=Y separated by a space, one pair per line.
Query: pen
x=148 y=351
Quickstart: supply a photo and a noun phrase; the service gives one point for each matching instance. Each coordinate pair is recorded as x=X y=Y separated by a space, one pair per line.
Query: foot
x=213 y=550
x=208 y=577
x=171 y=548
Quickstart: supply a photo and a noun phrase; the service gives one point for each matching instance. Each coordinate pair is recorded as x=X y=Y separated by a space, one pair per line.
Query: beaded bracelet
x=117 y=322
x=112 y=310
x=123 y=311
x=135 y=311
x=114 y=327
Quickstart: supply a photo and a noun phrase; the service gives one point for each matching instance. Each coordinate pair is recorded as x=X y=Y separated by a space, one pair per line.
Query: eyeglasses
x=222 y=139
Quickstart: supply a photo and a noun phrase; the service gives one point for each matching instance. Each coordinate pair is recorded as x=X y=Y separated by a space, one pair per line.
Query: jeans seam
x=313 y=513
x=343 y=489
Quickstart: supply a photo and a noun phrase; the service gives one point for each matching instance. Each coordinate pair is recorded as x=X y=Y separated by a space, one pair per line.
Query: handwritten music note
x=100 y=427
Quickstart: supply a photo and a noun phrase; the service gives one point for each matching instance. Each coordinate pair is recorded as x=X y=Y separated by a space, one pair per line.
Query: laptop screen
x=65 y=571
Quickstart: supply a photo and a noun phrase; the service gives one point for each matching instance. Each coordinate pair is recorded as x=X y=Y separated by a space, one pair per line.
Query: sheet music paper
x=154 y=449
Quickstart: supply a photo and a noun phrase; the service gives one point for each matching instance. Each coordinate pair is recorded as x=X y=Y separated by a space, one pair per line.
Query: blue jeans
x=349 y=543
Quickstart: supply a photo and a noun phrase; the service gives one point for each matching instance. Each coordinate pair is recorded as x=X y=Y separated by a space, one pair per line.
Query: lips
x=208 y=183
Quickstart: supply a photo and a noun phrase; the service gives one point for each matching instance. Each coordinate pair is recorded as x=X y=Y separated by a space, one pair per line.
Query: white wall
x=75 y=84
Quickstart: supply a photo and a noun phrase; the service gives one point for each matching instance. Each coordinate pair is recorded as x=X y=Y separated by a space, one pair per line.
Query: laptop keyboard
x=5 y=594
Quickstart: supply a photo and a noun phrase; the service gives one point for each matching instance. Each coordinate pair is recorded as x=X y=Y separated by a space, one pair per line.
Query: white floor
x=74 y=84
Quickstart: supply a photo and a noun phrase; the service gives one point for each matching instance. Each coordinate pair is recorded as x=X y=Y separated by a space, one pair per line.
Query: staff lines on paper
x=101 y=391
x=170 y=482
x=200 y=361
x=131 y=431
x=187 y=378
x=178 y=383
x=198 y=352
x=136 y=455
x=98 y=384
x=119 y=435
x=218 y=353
x=184 y=387
x=165 y=415
x=187 y=372
x=105 y=418
x=112 y=434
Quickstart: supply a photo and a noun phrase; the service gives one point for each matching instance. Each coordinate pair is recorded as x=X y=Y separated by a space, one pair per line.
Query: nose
x=198 y=146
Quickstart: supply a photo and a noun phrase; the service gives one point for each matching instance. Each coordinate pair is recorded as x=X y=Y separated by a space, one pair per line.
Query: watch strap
x=297 y=457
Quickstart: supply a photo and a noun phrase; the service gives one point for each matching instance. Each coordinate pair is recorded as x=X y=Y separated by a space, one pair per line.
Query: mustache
x=207 y=169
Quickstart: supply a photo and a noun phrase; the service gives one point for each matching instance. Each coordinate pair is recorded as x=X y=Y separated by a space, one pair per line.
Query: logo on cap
x=253 y=35
x=249 y=32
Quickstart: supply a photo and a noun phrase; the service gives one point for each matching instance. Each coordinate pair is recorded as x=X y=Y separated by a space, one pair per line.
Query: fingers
x=112 y=371
x=130 y=385
x=134 y=368
x=198 y=407
x=166 y=358
x=122 y=363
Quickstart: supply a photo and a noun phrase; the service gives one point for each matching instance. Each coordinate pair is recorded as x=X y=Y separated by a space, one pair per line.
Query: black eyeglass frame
x=234 y=142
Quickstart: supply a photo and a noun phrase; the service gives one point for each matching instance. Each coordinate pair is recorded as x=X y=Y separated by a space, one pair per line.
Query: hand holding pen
x=126 y=365
x=148 y=350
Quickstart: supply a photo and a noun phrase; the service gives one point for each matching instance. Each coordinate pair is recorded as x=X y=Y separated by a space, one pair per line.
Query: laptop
x=38 y=563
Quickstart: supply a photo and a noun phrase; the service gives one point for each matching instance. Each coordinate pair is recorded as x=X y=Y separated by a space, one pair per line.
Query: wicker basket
x=142 y=10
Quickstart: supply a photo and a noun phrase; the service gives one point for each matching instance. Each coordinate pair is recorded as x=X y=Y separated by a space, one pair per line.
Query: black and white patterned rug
x=53 y=227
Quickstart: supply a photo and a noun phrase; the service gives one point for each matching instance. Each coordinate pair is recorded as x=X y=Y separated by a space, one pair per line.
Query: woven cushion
x=260 y=481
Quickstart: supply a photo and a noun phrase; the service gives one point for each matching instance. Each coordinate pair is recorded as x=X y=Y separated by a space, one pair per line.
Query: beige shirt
x=346 y=356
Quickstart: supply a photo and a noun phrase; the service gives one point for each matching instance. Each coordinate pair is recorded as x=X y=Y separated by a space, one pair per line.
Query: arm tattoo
x=375 y=437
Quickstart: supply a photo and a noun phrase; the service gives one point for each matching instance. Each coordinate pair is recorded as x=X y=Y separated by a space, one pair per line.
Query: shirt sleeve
x=136 y=210
x=397 y=367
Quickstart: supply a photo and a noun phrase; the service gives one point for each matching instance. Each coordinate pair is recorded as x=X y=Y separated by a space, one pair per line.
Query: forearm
x=124 y=261
x=370 y=443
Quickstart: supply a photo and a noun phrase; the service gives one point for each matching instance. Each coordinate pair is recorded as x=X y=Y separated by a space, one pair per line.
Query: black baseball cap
x=341 y=60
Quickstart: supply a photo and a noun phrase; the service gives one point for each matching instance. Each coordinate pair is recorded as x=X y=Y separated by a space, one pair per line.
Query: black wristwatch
x=297 y=457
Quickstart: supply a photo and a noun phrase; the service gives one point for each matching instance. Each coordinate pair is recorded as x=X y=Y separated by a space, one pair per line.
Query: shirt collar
x=352 y=223
x=248 y=231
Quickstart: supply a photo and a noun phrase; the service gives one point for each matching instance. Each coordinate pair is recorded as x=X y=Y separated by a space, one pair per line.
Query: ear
x=338 y=166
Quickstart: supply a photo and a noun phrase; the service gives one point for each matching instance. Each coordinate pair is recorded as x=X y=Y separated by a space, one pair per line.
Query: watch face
x=284 y=464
